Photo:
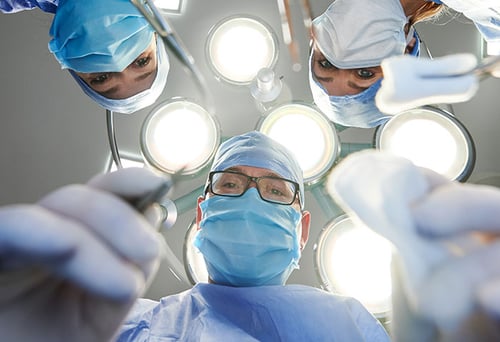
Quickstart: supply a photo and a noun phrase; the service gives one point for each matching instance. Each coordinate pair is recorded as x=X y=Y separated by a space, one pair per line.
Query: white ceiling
x=51 y=134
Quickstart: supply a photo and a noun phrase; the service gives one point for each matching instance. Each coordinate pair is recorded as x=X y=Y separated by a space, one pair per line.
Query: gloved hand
x=449 y=272
x=411 y=82
x=73 y=264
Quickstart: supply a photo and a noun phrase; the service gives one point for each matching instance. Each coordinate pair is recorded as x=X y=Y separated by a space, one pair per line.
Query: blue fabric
x=258 y=150
x=12 y=6
x=209 y=312
x=265 y=248
x=98 y=36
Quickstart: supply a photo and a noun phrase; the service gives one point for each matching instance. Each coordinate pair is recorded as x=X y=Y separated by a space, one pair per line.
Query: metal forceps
x=288 y=31
x=163 y=27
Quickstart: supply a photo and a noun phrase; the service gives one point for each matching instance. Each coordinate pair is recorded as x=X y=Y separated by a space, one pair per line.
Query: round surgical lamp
x=239 y=46
x=307 y=133
x=430 y=137
x=352 y=260
x=179 y=135
x=194 y=263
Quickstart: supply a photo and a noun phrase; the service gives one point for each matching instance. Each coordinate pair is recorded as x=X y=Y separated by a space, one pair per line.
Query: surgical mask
x=138 y=101
x=98 y=36
x=349 y=110
x=248 y=242
x=354 y=34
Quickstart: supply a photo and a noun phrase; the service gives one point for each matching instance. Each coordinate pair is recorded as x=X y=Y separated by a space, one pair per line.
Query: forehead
x=253 y=171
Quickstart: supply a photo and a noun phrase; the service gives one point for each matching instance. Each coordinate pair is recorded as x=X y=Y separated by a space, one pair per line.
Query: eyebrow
x=349 y=83
x=238 y=169
x=115 y=89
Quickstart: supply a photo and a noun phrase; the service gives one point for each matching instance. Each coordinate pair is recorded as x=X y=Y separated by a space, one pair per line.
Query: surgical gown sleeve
x=12 y=6
x=209 y=312
x=484 y=13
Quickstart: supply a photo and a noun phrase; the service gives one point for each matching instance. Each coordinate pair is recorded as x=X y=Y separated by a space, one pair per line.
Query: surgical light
x=179 y=134
x=238 y=47
x=352 y=260
x=431 y=138
x=307 y=133
x=193 y=259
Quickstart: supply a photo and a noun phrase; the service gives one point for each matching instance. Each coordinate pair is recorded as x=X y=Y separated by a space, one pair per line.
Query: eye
x=142 y=62
x=99 y=79
x=325 y=64
x=365 y=73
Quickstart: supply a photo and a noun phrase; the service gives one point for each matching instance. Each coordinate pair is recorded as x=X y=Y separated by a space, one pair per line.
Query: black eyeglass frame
x=256 y=181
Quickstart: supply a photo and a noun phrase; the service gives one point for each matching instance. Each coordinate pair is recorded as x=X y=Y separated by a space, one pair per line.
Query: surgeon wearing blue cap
x=108 y=47
x=73 y=265
x=252 y=229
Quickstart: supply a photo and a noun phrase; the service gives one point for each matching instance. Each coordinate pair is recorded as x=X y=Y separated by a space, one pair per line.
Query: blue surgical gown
x=210 y=312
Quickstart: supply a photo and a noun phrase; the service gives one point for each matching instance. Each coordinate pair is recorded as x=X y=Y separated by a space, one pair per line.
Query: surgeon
x=108 y=47
x=345 y=72
x=73 y=265
x=350 y=40
x=445 y=234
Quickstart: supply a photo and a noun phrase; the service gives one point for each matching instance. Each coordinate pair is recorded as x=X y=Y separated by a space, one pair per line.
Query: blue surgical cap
x=256 y=149
x=137 y=101
x=98 y=35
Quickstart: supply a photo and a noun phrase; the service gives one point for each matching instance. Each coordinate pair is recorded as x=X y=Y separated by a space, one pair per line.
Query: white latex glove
x=73 y=264
x=447 y=272
x=411 y=82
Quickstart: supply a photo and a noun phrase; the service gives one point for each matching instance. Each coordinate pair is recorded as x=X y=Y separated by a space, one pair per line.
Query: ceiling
x=51 y=134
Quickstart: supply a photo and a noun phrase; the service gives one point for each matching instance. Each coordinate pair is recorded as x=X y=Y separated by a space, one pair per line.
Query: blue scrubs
x=12 y=6
x=210 y=312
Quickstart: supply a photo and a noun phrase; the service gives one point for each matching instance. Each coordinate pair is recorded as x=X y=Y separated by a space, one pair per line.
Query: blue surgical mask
x=349 y=110
x=248 y=242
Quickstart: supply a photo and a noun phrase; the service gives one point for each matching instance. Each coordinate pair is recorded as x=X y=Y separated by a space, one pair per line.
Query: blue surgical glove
x=72 y=264
x=411 y=82
x=444 y=233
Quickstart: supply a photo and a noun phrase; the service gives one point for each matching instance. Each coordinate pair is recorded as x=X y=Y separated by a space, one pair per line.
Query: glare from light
x=493 y=48
x=239 y=47
x=179 y=135
x=169 y=5
x=354 y=261
x=194 y=262
x=126 y=163
x=307 y=133
x=428 y=139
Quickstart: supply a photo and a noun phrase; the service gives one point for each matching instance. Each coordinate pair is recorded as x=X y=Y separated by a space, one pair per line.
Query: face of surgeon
x=259 y=172
x=136 y=77
x=340 y=82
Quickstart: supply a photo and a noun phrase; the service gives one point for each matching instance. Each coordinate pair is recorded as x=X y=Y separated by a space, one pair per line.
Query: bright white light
x=428 y=139
x=307 y=133
x=179 y=134
x=239 y=47
x=126 y=163
x=493 y=48
x=169 y=5
x=354 y=261
x=193 y=258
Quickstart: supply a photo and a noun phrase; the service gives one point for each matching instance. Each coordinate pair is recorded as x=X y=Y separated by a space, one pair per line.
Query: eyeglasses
x=271 y=189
